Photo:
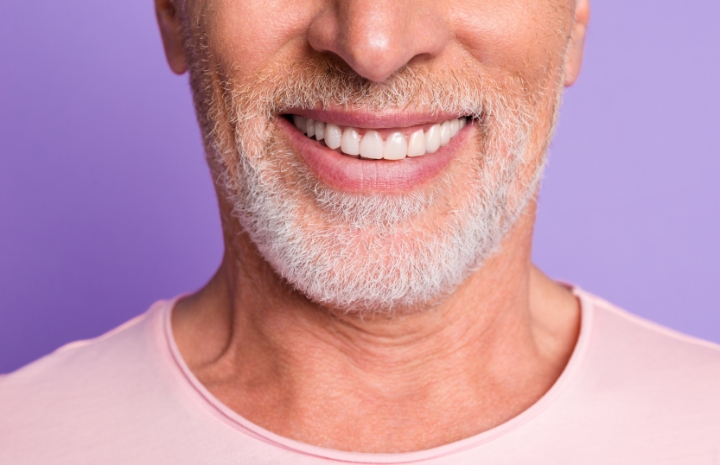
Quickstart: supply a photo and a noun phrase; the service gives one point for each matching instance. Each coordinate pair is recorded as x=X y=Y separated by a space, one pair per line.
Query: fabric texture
x=633 y=392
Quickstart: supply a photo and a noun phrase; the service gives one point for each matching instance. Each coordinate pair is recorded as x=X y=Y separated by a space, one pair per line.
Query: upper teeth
x=371 y=145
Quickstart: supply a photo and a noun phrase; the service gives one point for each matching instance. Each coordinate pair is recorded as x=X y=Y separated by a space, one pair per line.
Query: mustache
x=320 y=84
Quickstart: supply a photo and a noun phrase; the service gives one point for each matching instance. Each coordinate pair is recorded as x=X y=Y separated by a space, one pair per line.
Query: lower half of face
x=361 y=206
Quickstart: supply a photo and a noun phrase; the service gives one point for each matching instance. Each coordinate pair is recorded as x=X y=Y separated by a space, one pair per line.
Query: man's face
x=459 y=98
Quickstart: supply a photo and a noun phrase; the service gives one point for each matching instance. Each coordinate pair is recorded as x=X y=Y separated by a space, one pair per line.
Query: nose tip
x=373 y=53
x=376 y=37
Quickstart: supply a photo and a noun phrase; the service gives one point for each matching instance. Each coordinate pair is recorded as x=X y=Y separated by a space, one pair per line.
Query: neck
x=379 y=384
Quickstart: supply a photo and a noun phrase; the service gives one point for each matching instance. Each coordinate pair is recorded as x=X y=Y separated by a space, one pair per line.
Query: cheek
x=518 y=37
x=245 y=36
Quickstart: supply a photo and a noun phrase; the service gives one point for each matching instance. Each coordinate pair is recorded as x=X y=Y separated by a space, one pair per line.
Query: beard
x=372 y=253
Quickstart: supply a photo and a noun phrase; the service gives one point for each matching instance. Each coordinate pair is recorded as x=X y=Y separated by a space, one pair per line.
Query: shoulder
x=82 y=387
x=631 y=339
x=641 y=376
x=86 y=361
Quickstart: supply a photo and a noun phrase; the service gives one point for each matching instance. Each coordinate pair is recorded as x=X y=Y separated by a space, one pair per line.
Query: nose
x=378 y=37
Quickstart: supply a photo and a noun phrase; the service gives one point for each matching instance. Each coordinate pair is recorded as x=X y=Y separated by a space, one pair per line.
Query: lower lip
x=357 y=175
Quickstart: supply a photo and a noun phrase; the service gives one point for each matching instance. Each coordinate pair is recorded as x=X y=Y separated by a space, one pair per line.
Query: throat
x=382 y=385
x=377 y=393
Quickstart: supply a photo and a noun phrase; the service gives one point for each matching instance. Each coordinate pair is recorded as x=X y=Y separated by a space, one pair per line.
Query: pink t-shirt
x=633 y=393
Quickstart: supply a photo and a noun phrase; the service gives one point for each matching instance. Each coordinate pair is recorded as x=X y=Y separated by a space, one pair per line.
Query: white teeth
x=432 y=139
x=333 y=136
x=371 y=145
x=319 y=130
x=350 y=144
x=445 y=133
x=396 y=147
x=454 y=127
x=300 y=123
x=416 y=144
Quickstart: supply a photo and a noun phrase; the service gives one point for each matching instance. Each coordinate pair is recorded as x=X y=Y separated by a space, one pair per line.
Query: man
x=377 y=164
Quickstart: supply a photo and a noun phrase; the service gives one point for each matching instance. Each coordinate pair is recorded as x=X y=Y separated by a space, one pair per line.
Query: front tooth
x=350 y=143
x=432 y=139
x=416 y=144
x=300 y=123
x=396 y=147
x=310 y=125
x=454 y=127
x=445 y=133
x=333 y=136
x=319 y=130
x=371 y=145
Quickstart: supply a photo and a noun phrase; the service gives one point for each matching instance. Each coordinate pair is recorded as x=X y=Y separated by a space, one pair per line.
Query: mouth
x=364 y=152
x=380 y=143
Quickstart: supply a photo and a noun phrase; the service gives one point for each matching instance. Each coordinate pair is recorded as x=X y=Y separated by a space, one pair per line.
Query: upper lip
x=373 y=120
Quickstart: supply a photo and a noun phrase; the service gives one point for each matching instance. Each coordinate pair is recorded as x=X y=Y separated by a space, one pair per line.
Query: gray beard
x=365 y=253
x=372 y=253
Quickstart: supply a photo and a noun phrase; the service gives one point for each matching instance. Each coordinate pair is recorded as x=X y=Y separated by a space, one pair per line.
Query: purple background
x=106 y=204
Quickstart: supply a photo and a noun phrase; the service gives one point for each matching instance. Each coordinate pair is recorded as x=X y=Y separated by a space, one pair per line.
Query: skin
x=429 y=377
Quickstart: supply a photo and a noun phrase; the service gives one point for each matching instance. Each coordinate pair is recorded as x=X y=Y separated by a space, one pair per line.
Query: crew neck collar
x=223 y=413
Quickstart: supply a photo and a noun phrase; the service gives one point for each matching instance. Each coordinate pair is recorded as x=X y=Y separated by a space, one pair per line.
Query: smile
x=387 y=144
x=366 y=152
